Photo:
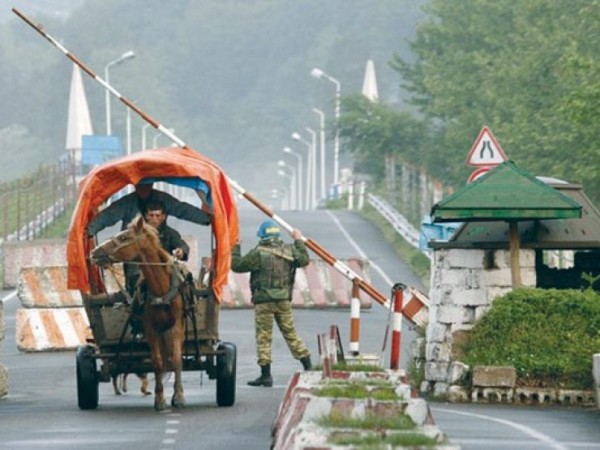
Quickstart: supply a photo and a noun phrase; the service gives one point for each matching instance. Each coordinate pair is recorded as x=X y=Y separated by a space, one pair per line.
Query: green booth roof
x=507 y=193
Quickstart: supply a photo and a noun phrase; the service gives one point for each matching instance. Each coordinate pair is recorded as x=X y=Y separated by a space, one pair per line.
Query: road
x=41 y=408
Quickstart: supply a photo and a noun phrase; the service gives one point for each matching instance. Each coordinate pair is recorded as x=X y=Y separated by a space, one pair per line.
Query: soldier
x=272 y=266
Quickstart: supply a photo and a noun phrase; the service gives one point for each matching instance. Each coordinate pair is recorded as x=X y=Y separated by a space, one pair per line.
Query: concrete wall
x=462 y=291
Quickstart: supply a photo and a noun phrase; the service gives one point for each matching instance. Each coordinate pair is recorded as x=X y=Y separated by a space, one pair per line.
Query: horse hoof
x=177 y=403
x=160 y=406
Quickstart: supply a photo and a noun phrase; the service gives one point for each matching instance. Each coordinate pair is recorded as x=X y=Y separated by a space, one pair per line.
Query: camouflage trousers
x=264 y=313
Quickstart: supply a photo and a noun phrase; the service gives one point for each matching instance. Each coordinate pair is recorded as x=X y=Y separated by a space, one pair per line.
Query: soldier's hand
x=296 y=234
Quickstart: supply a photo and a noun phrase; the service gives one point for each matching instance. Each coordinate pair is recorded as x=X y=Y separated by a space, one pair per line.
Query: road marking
x=524 y=429
x=10 y=296
x=362 y=254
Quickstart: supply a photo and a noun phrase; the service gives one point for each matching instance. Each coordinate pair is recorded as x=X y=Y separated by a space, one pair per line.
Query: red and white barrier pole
x=354 y=321
x=398 y=294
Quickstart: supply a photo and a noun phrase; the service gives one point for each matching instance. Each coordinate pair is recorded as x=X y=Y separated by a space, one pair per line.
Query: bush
x=549 y=336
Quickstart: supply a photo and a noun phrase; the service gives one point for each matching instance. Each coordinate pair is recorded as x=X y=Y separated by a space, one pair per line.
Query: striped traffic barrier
x=416 y=309
x=354 y=322
x=51 y=329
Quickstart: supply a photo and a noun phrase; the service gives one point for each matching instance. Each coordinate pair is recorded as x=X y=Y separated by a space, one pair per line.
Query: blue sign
x=99 y=149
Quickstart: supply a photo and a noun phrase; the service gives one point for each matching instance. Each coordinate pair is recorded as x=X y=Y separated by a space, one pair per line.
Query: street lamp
x=291 y=202
x=297 y=137
x=322 y=136
x=144 y=128
x=318 y=73
x=293 y=194
x=157 y=135
x=125 y=56
x=299 y=157
x=313 y=169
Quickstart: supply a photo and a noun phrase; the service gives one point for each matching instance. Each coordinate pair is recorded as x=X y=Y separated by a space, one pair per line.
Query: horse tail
x=165 y=349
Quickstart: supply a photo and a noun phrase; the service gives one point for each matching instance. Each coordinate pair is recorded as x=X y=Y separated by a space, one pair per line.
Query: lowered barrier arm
x=340 y=266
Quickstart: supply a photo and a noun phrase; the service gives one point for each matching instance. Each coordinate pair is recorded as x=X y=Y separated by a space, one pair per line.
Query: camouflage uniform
x=272 y=266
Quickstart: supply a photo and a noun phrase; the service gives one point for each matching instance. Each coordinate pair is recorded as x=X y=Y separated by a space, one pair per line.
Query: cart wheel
x=226 y=369
x=87 y=378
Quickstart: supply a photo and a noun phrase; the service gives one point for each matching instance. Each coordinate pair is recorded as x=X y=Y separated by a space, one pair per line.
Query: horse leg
x=158 y=365
x=176 y=341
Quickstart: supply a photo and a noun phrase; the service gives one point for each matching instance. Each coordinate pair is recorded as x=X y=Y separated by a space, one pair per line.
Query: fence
x=30 y=204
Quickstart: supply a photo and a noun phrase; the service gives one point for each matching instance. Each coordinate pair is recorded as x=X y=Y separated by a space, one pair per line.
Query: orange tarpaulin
x=107 y=179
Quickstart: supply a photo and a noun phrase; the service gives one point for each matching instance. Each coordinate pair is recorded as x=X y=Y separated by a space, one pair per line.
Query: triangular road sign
x=486 y=151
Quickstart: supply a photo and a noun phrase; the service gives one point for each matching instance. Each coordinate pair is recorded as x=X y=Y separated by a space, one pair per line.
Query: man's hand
x=178 y=253
x=296 y=234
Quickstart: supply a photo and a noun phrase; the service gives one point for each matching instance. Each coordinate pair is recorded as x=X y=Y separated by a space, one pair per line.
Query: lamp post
x=293 y=183
x=307 y=196
x=313 y=169
x=144 y=128
x=299 y=157
x=321 y=115
x=291 y=191
x=157 y=135
x=318 y=73
x=125 y=56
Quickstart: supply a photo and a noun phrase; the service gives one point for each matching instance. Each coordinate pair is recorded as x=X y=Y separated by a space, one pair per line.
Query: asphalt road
x=41 y=408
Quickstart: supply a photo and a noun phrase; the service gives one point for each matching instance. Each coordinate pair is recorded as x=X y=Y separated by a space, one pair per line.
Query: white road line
x=10 y=296
x=362 y=254
x=541 y=437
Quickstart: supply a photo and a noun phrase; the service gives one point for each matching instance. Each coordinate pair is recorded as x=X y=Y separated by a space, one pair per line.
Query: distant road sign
x=486 y=151
x=478 y=173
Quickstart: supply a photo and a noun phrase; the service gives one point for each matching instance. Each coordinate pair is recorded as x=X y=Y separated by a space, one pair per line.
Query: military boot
x=265 y=378
x=306 y=363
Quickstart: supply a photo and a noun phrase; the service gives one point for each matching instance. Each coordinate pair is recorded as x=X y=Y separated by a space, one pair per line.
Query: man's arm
x=175 y=244
x=119 y=210
x=182 y=210
x=299 y=251
x=246 y=263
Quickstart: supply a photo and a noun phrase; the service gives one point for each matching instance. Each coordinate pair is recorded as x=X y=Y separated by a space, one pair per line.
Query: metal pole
x=313 y=172
x=322 y=136
x=398 y=292
x=330 y=259
x=299 y=157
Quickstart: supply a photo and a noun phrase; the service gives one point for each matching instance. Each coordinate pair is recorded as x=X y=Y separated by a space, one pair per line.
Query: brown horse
x=163 y=311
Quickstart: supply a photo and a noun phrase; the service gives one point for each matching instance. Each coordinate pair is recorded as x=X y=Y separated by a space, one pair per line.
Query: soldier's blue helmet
x=268 y=229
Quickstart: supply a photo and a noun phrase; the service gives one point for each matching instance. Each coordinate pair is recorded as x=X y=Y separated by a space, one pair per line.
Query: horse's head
x=127 y=245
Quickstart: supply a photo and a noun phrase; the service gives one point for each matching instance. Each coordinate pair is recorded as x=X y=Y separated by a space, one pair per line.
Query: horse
x=163 y=313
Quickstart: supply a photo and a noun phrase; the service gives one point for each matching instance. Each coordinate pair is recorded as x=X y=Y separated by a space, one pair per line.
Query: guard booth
x=513 y=223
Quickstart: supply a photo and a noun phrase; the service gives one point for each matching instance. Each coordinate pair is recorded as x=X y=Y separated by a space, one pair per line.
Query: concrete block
x=437 y=332
x=493 y=292
x=458 y=372
x=481 y=311
x=436 y=371
x=457 y=394
x=437 y=351
x=418 y=411
x=470 y=297
x=440 y=389
x=470 y=259
x=492 y=395
x=3 y=381
x=494 y=376
x=455 y=314
x=461 y=278
x=497 y=277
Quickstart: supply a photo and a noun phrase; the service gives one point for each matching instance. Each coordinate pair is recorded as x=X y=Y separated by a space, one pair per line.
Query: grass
x=357 y=390
x=418 y=262
x=376 y=442
x=370 y=422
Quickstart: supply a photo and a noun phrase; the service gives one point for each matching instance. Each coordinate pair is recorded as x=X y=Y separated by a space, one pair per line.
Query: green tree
x=529 y=70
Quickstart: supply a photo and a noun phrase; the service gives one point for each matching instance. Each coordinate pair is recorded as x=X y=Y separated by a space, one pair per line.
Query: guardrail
x=402 y=226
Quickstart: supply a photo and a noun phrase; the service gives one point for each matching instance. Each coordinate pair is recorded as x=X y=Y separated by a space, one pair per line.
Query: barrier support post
x=398 y=293
x=354 y=320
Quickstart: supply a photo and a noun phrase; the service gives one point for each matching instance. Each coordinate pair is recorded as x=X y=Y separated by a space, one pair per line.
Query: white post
x=361 y=195
x=322 y=138
x=350 y=194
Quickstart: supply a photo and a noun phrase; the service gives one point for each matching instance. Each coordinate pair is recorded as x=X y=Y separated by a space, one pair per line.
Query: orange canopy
x=107 y=179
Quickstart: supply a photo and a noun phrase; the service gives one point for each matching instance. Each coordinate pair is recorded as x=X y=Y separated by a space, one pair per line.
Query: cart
x=115 y=349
